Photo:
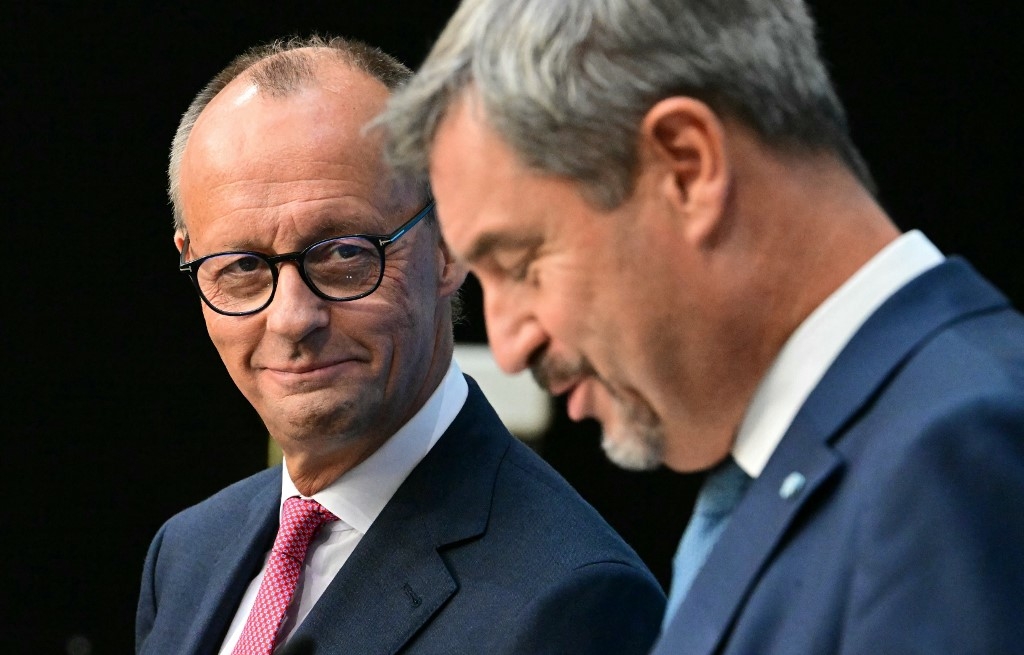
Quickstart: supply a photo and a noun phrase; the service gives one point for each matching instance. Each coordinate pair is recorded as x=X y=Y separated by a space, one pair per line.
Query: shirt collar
x=359 y=495
x=816 y=343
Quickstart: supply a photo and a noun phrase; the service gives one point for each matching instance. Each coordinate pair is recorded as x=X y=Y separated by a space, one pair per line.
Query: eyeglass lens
x=340 y=269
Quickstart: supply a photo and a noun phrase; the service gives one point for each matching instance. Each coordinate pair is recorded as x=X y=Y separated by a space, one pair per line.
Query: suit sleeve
x=940 y=567
x=605 y=608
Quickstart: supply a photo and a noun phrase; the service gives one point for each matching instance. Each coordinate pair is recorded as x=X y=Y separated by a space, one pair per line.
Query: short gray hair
x=566 y=83
x=278 y=69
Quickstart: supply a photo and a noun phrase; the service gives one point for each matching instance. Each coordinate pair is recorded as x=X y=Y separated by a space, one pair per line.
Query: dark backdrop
x=118 y=412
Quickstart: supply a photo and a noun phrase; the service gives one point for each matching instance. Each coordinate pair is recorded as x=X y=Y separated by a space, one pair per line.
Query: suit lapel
x=949 y=292
x=391 y=585
x=396 y=579
x=234 y=569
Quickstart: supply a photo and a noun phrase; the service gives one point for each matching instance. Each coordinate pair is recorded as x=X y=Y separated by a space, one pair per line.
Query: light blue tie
x=722 y=490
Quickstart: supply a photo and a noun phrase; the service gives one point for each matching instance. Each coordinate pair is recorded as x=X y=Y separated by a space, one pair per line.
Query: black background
x=118 y=410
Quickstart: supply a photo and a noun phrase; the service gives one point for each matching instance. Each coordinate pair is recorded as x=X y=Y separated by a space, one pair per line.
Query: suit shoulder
x=536 y=500
x=232 y=501
x=967 y=377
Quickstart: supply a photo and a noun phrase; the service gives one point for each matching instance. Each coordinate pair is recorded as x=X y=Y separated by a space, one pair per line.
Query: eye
x=341 y=256
x=231 y=265
x=346 y=250
x=234 y=276
x=513 y=266
x=518 y=272
x=247 y=264
x=341 y=251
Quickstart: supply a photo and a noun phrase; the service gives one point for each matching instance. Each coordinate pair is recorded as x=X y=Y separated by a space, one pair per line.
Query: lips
x=578 y=401
x=576 y=389
x=309 y=373
x=561 y=376
x=558 y=387
x=308 y=368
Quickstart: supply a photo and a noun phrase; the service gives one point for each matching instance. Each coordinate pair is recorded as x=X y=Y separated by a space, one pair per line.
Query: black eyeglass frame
x=381 y=241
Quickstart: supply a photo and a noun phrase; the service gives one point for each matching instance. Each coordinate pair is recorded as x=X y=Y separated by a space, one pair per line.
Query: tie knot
x=722 y=489
x=300 y=519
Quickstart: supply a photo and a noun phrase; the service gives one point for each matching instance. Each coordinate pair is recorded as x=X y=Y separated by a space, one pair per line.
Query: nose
x=513 y=330
x=295 y=311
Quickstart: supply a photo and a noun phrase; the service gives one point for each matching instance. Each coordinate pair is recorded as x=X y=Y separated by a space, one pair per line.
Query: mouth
x=310 y=372
x=300 y=370
x=577 y=396
x=559 y=387
x=578 y=401
x=569 y=378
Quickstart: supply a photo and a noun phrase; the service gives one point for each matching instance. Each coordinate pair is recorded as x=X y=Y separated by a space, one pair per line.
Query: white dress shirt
x=357 y=498
x=816 y=343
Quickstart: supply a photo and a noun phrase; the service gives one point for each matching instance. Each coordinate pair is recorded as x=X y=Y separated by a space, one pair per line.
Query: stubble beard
x=637 y=441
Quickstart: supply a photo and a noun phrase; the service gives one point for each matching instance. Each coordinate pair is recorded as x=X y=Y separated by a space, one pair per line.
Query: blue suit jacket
x=908 y=536
x=483 y=549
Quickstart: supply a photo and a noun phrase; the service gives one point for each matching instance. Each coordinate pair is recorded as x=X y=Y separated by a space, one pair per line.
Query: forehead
x=487 y=198
x=257 y=160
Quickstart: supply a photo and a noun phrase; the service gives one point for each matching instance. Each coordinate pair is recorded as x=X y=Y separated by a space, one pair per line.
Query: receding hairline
x=281 y=68
x=284 y=73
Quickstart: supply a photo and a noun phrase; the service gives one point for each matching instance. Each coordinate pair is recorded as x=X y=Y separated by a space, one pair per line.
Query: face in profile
x=274 y=175
x=564 y=291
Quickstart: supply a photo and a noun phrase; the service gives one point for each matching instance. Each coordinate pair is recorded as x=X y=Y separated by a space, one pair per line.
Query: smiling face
x=275 y=174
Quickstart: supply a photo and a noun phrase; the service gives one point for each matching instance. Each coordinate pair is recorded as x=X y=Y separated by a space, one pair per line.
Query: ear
x=179 y=239
x=683 y=142
x=452 y=271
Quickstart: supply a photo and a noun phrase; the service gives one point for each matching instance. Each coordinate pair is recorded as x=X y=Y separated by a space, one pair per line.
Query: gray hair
x=278 y=69
x=566 y=83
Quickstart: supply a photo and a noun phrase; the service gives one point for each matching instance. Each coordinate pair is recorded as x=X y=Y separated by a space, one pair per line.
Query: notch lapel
x=735 y=562
x=390 y=587
x=396 y=579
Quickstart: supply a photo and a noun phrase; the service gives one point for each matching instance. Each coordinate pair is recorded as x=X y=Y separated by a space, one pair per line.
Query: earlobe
x=452 y=271
x=684 y=143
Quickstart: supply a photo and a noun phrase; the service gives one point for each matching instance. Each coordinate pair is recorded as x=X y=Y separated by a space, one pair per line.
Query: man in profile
x=672 y=227
x=406 y=517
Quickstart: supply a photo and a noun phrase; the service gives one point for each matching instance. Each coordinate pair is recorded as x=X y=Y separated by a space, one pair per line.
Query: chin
x=314 y=418
x=634 y=451
x=634 y=436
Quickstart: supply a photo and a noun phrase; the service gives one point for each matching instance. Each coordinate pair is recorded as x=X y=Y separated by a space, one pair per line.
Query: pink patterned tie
x=299 y=522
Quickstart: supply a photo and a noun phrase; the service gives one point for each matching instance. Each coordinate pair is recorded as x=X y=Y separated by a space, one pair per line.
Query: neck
x=312 y=472
x=793 y=231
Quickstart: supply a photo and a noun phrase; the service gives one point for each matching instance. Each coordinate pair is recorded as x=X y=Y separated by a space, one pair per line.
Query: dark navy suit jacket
x=908 y=536
x=483 y=549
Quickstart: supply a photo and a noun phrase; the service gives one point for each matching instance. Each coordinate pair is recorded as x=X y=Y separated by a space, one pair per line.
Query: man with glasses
x=672 y=227
x=405 y=517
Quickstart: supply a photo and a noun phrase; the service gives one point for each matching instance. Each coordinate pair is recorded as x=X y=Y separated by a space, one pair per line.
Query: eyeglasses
x=348 y=267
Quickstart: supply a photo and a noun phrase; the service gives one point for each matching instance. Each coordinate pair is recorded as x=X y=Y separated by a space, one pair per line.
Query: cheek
x=410 y=288
x=394 y=304
x=407 y=319
x=235 y=339
x=385 y=323
x=568 y=300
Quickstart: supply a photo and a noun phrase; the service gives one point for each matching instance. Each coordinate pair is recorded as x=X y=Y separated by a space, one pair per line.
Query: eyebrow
x=489 y=242
x=334 y=225
x=326 y=227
